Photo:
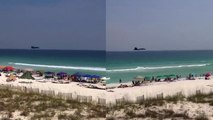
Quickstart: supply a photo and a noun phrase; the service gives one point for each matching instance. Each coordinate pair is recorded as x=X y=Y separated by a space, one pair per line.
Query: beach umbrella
x=208 y=74
x=27 y=75
x=8 y=68
x=49 y=74
x=61 y=74
x=160 y=77
x=2 y=67
x=172 y=76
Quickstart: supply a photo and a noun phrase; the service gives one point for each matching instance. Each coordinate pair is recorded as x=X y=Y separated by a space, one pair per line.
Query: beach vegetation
x=39 y=106
x=180 y=115
x=68 y=117
x=24 y=113
x=201 y=98
x=130 y=113
x=175 y=98
x=156 y=107
x=39 y=116
x=152 y=101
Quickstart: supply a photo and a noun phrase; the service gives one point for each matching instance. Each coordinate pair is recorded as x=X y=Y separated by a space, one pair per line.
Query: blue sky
x=115 y=25
x=53 y=24
x=159 y=24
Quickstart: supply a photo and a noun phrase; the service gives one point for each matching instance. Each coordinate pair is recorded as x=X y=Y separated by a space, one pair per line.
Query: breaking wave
x=153 y=68
x=61 y=67
x=108 y=70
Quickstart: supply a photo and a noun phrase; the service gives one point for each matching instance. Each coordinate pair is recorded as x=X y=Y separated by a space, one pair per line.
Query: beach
x=186 y=87
x=74 y=87
x=79 y=78
x=147 y=101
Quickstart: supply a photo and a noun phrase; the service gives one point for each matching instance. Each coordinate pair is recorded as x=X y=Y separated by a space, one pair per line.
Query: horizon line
x=158 y=50
x=106 y=50
x=47 y=49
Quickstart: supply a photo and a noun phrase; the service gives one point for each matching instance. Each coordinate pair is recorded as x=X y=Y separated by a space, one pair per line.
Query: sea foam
x=139 y=68
x=159 y=67
x=61 y=67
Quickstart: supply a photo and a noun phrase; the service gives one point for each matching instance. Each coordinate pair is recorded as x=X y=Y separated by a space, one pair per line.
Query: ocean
x=70 y=61
x=127 y=65
x=116 y=65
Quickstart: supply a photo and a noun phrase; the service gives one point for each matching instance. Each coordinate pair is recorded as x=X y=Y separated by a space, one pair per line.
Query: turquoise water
x=91 y=62
x=116 y=65
x=127 y=65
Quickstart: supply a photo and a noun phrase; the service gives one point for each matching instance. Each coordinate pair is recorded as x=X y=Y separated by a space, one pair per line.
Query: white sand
x=64 y=88
x=187 y=87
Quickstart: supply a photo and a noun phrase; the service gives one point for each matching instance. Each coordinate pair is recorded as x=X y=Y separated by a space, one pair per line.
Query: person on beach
x=120 y=81
x=133 y=82
x=153 y=78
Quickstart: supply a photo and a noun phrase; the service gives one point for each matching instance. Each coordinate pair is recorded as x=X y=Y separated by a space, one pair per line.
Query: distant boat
x=34 y=47
x=139 y=48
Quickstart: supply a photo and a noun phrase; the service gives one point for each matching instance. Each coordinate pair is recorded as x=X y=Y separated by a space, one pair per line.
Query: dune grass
x=129 y=109
x=37 y=106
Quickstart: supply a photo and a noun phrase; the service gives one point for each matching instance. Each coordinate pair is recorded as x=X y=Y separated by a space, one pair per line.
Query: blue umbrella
x=61 y=74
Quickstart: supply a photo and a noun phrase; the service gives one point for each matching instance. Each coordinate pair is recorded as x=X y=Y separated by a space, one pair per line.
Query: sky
x=159 y=24
x=53 y=24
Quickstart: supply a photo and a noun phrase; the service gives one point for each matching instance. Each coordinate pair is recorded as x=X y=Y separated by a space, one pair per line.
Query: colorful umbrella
x=8 y=68
x=61 y=74
x=172 y=76
x=208 y=74
x=160 y=77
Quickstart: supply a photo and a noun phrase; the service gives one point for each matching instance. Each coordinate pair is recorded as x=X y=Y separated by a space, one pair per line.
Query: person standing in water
x=120 y=81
